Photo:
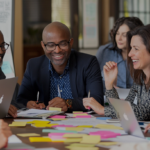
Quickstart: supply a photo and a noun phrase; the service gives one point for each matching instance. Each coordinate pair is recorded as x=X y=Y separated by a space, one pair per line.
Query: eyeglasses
x=62 y=45
x=4 y=46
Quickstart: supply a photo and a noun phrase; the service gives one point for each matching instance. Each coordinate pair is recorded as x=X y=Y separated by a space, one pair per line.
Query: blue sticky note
x=141 y=123
x=103 y=118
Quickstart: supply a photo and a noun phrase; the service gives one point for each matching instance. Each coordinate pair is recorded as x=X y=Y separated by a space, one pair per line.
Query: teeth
x=134 y=60
x=58 y=56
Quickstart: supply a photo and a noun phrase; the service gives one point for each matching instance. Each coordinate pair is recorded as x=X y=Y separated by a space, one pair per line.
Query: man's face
x=2 y=53
x=58 y=55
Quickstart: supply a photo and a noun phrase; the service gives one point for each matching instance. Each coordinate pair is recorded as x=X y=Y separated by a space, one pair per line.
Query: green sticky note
x=57 y=131
x=6 y=68
x=148 y=138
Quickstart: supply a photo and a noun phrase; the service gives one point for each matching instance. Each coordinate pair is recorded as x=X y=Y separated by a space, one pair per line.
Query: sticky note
x=85 y=126
x=91 y=139
x=18 y=124
x=78 y=129
x=43 y=125
x=28 y=134
x=73 y=140
x=40 y=139
x=83 y=114
x=57 y=131
x=81 y=145
x=54 y=109
x=38 y=122
x=73 y=135
x=82 y=148
x=58 y=116
x=103 y=118
x=108 y=126
x=62 y=125
x=87 y=116
x=107 y=143
x=77 y=112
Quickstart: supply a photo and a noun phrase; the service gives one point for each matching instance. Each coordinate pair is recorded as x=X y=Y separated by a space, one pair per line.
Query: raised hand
x=110 y=74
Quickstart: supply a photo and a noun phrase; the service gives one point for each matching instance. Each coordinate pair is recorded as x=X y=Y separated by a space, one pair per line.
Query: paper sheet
x=82 y=148
x=73 y=140
x=17 y=124
x=108 y=126
x=81 y=145
x=54 y=109
x=14 y=139
x=107 y=143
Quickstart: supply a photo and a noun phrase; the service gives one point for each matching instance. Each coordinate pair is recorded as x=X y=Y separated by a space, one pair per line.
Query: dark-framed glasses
x=50 y=46
x=4 y=46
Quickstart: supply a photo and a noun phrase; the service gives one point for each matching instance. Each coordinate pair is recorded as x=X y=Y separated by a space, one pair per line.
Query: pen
x=37 y=98
x=59 y=94
x=89 y=97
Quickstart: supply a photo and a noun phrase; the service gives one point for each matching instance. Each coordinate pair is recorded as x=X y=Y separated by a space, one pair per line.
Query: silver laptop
x=127 y=117
x=7 y=88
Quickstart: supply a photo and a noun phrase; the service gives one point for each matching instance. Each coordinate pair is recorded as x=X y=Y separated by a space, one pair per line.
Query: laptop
x=7 y=88
x=127 y=117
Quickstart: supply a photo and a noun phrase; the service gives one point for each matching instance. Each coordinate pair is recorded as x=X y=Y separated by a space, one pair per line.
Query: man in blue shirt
x=61 y=76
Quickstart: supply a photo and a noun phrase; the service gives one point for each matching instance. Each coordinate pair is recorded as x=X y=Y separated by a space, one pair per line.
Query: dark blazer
x=84 y=76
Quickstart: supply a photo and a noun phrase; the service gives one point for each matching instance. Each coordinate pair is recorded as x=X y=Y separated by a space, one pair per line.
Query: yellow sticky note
x=82 y=148
x=108 y=126
x=40 y=139
x=107 y=143
x=43 y=125
x=77 y=112
x=73 y=135
x=85 y=126
x=73 y=140
x=28 y=134
x=16 y=124
x=81 y=145
x=91 y=139
x=57 y=119
x=38 y=122
x=74 y=115
x=54 y=108
x=78 y=129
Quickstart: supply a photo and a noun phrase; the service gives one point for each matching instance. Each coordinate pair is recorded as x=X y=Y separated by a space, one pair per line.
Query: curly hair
x=131 y=22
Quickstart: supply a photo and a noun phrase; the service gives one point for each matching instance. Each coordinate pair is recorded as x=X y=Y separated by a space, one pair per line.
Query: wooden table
x=30 y=129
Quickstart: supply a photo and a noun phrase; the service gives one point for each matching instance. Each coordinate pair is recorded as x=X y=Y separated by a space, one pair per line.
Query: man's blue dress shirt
x=63 y=81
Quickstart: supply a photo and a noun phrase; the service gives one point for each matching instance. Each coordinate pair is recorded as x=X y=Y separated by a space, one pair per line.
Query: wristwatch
x=69 y=103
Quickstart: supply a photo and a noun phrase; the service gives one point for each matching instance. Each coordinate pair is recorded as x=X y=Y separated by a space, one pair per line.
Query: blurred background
x=88 y=20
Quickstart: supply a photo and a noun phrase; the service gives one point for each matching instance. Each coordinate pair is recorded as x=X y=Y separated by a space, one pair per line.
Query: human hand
x=110 y=74
x=4 y=133
x=33 y=104
x=147 y=128
x=57 y=102
x=92 y=103
x=12 y=111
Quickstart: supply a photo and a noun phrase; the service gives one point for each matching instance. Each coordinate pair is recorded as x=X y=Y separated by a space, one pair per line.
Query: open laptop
x=7 y=88
x=127 y=117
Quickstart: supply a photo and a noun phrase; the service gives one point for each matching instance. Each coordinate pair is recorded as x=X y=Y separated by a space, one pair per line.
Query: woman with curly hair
x=116 y=51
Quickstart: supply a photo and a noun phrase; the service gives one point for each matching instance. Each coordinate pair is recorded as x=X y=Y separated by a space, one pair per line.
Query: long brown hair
x=131 y=22
x=144 y=33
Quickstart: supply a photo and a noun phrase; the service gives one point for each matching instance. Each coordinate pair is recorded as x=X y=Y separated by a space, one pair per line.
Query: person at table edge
x=73 y=73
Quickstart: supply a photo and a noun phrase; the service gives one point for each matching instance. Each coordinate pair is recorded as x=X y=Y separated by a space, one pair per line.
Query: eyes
x=124 y=34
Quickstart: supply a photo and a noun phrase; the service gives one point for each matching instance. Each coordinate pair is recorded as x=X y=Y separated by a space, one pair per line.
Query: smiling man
x=63 y=77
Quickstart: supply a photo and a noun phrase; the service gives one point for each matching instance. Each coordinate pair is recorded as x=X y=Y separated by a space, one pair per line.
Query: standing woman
x=139 y=64
x=117 y=50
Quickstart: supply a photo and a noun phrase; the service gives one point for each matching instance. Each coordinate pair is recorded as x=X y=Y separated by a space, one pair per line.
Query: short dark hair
x=144 y=33
x=131 y=22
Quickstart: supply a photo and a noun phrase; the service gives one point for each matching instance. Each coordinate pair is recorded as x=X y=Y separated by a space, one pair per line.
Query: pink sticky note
x=105 y=134
x=58 y=116
x=88 y=116
x=57 y=135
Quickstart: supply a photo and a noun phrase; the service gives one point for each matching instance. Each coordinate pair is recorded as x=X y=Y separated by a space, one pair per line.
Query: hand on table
x=4 y=133
x=110 y=74
x=34 y=105
x=92 y=103
x=12 y=111
x=58 y=102
x=147 y=128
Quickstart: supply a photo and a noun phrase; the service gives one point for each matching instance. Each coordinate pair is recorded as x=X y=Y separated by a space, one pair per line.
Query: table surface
x=30 y=129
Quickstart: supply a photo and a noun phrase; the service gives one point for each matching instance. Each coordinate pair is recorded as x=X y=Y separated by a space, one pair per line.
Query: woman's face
x=139 y=54
x=121 y=36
